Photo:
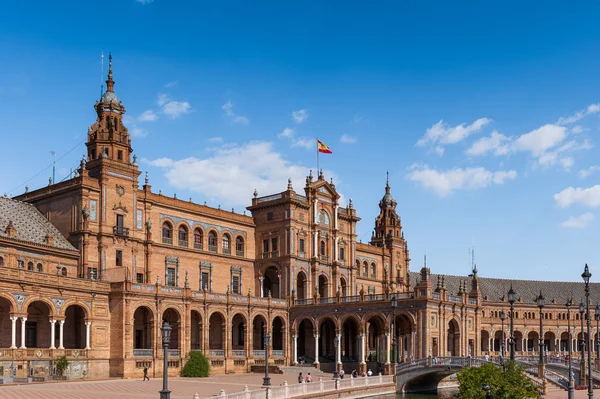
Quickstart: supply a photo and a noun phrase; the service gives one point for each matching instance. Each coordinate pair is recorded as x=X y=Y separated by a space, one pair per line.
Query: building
x=91 y=266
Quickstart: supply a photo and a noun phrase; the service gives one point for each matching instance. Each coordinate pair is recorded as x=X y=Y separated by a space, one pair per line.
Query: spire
x=109 y=82
x=387 y=180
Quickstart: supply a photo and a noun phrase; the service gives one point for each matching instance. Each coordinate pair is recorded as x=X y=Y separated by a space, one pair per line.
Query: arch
x=84 y=307
x=143 y=327
x=498 y=341
x=74 y=327
x=485 y=341
x=37 y=326
x=216 y=331
x=357 y=264
x=195 y=329
x=63 y=272
x=322 y=248
x=549 y=341
x=564 y=342
x=305 y=341
x=167 y=232
x=327 y=332
x=30 y=266
x=518 y=341
x=259 y=326
x=39 y=268
x=239 y=246
x=271 y=283
x=323 y=286
x=6 y=308
x=277 y=333
x=1 y=260
x=226 y=243
x=183 y=235
x=238 y=331
x=532 y=341
x=343 y=286
x=375 y=328
x=198 y=238
x=172 y=316
x=350 y=338
x=365 y=269
x=299 y=320
x=453 y=344
x=48 y=303
x=373 y=271
x=301 y=285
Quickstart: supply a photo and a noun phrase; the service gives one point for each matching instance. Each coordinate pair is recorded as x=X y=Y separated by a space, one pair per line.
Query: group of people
x=301 y=378
x=341 y=373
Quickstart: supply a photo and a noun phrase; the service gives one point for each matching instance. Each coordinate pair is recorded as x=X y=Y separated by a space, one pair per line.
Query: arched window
x=226 y=244
x=198 y=239
x=21 y=264
x=365 y=269
x=167 y=233
x=63 y=271
x=342 y=253
x=39 y=267
x=212 y=241
x=182 y=236
x=373 y=271
x=1 y=261
x=30 y=266
x=357 y=267
x=322 y=248
x=239 y=246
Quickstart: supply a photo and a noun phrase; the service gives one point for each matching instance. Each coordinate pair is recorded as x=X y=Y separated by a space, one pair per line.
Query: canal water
x=449 y=393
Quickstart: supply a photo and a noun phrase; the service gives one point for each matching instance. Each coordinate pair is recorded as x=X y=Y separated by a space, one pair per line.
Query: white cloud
x=540 y=140
x=552 y=157
x=496 y=143
x=589 y=197
x=305 y=142
x=286 y=133
x=231 y=174
x=589 y=110
x=357 y=118
x=578 y=129
x=578 y=222
x=147 y=116
x=233 y=117
x=171 y=84
x=299 y=116
x=346 y=138
x=439 y=150
x=216 y=139
x=173 y=109
x=138 y=132
x=583 y=173
x=444 y=183
x=443 y=134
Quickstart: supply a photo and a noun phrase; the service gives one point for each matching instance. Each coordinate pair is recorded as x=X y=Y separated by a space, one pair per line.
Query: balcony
x=212 y=248
x=272 y=254
x=121 y=231
x=167 y=240
x=173 y=352
x=239 y=252
x=259 y=353
x=227 y=251
x=238 y=352
x=182 y=243
x=324 y=258
x=143 y=352
x=198 y=245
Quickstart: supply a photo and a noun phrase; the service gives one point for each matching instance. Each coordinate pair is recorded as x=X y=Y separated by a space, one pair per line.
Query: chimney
x=10 y=230
x=48 y=239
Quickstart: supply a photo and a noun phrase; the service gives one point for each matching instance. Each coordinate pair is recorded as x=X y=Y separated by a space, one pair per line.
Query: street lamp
x=540 y=303
x=336 y=344
x=166 y=339
x=570 y=387
x=582 y=344
x=597 y=317
x=586 y=279
x=502 y=354
x=394 y=306
x=512 y=298
x=267 y=379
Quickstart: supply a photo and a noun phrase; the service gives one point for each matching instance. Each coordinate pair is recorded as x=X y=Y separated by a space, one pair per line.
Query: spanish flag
x=323 y=148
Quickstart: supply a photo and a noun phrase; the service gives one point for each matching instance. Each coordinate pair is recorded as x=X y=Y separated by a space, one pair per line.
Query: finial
x=255 y=193
x=387 y=178
x=175 y=195
x=49 y=181
x=26 y=189
x=321 y=174
x=289 y=187
x=134 y=160
x=232 y=210
x=187 y=282
x=350 y=203
x=146 y=179
x=110 y=65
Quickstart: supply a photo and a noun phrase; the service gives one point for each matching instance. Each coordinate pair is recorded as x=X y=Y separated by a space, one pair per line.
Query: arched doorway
x=277 y=334
x=518 y=341
x=301 y=286
x=6 y=324
x=271 y=282
x=485 y=341
x=74 y=328
x=143 y=322
x=498 y=341
x=238 y=335
x=532 y=341
x=326 y=338
x=196 y=330
x=376 y=345
x=216 y=333
x=171 y=316
x=258 y=335
x=37 y=326
x=344 y=287
x=305 y=342
x=549 y=341
x=453 y=344
x=564 y=342
x=350 y=341
x=323 y=286
x=403 y=343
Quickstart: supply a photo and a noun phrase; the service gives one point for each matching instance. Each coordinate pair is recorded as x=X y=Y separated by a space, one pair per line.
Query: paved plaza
x=181 y=388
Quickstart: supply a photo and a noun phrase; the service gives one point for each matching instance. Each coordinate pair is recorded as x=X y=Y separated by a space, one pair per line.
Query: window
x=198 y=238
x=301 y=245
x=92 y=273
x=63 y=271
x=139 y=278
x=239 y=246
x=342 y=253
x=373 y=271
x=106 y=151
x=205 y=281
x=212 y=241
x=30 y=266
x=39 y=267
x=274 y=245
x=119 y=258
x=365 y=269
x=21 y=264
x=226 y=244
x=93 y=154
x=265 y=245
x=171 y=277
x=322 y=248
x=182 y=236
x=235 y=284
x=1 y=261
x=357 y=267
x=167 y=233
x=270 y=216
x=120 y=155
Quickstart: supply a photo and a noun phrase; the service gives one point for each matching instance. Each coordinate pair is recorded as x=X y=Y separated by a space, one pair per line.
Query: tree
x=513 y=383
x=197 y=365
x=61 y=364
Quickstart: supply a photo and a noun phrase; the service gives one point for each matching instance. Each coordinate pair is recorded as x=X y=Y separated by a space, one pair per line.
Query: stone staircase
x=304 y=368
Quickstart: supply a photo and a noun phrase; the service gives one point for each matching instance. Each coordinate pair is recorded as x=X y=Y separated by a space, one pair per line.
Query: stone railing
x=143 y=352
x=313 y=389
x=268 y=198
x=37 y=279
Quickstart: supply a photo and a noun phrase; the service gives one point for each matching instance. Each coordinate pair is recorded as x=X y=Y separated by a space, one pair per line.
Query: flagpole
x=318 y=157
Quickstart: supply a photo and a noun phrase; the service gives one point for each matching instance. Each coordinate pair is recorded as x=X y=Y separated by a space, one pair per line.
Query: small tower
x=388 y=227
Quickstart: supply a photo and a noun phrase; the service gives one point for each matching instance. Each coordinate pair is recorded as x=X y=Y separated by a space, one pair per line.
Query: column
x=338 y=352
x=23 y=320
x=52 y=334
x=60 y=335
x=295 y=354
x=362 y=348
x=316 y=348
x=260 y=279
x=335 y=251
x=387 y=346
x=87 y=335
x=13 y=344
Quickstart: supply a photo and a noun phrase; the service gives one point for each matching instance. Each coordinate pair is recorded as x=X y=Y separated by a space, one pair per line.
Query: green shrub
x=510 y=384
x=61 y=364
x=197 y=365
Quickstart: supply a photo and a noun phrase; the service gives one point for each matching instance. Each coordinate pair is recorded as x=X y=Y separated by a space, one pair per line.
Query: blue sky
x=487 y=116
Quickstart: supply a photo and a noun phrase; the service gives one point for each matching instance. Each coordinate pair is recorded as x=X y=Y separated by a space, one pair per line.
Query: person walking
x=308 y=378
x=300 y=378
x=146 y=374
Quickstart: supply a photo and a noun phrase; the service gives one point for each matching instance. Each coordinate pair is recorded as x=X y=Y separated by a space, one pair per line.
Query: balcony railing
x=239 y=252
x=217 y=352
x=212 y=248
x=227 y=251
x=301 y=254
x=121 y=231
x=143 y=352
x=198 y=245
x=274 y=254
x=167 y=240
x=173 y=352
x=324 y=258
x=183 y=243
x=305 y=301
x=238 y=352
x=354 y=298
x=327 y=300
x=258 y=353
x=277 y=352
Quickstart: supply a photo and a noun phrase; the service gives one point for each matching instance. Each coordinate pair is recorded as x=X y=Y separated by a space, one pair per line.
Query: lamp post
x=267 y=379
x=336 y=344
x=586 y=279
x=166 y=339
x=570 y=388
x=540 y=303
x=597 y=317
x=394 y=354
x=512 y=298
x=502 y=354
x=582 y=345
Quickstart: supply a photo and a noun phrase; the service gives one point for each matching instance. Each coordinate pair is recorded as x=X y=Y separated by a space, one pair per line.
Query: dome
x=110 y=98
x=387 y=198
